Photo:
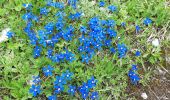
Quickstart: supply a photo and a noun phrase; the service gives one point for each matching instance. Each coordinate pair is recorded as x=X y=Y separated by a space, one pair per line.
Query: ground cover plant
x=80 y=49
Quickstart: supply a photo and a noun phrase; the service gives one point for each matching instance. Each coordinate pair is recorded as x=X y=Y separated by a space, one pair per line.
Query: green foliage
x=18 y=65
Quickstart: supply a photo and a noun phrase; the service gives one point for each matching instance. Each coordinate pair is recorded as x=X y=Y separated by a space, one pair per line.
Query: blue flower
x=75 y=16
x=92 y=82
x=93 y=22
x=86 y=47
x=84 y=95
x=108 y=43
x=50 y=3
x=70 y=28
x=33 y=38
x=112 y=50
x=80 y=49
x=59 y=5
x=111 y=33
x=58 y=88
x=29 y=24
x=90 y=41
x=138 y=53
x=42 y=42
x=62 y=57
x=135 y=79
x=73 y=3
x=27 y=16
x=60 y=80
x=84 y=90
x=27 y=6
x=83 y=29
x=37 y=51
x=67 y=36
x=42 y=35
x=147 y=21
x=122 y=49
x=49 y=27
x=55 y=58
x=101 y=4
x=35 y=18
x=59 y=25
x=123 y=24
x=49 y=53
x=48 y=70
x=85 y=58
x=56 y=37
x=52 y=97
x=82 y=39
x=72 y=90
x=67 y=75
x=44 y=11
x=111 y=23
x=60 y=14
x=35 y=90
x=112 y=8
x=68 y=33
x=10 y=34
x=98 y=45
x=69 y=56
x=133 y=75
x=36 y=79
x=50 y=43
x=94 y=96
x=137 y=28
x=134 y=68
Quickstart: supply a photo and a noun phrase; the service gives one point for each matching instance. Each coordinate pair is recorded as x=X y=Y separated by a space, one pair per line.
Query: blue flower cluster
x=61 y=57
x=61 y=81
x=133 y=75
x=96 y=36
x=85 y=89
x=99 y=36
x=35 y=88
x=46 y=37
x=122 y=49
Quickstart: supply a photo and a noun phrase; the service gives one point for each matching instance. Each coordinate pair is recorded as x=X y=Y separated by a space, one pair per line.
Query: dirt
x=159 y=85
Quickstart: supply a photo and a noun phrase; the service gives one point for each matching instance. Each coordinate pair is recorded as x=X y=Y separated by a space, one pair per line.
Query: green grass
x=18 y=65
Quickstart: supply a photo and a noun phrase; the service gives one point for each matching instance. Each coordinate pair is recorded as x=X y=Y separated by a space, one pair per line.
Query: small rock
x=103 y=9
x=155 y=42
x=93 y=2
x=30 y=82
x=144 y=96
x=3 y=35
